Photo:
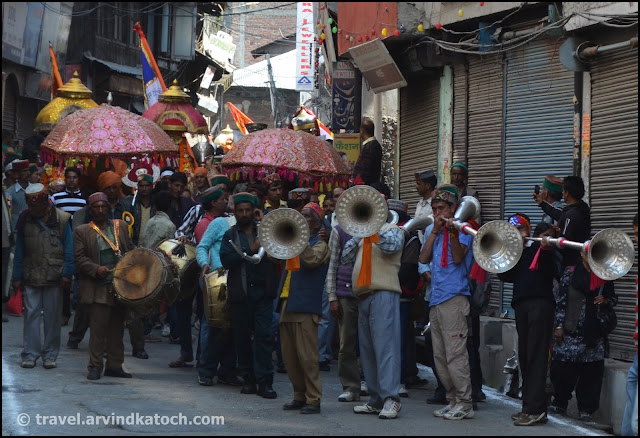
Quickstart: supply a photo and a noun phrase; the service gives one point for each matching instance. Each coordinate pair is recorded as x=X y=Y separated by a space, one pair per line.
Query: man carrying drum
x=98 y=246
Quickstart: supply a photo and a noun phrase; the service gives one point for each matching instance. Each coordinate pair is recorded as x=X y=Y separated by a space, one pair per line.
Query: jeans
x=379 y=332
x=631 y=407
x=325 y=329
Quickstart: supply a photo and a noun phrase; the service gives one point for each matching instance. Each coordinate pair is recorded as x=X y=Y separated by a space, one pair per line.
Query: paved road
x=158 y=389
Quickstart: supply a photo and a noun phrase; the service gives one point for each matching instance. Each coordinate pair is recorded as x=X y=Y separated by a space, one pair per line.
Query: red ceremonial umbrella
x=294 y=155
x=92 y=135
x=173 y=113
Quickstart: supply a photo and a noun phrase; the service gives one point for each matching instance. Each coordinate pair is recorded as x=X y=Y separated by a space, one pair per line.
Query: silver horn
x=254 y=259
x=417 y=223
x=361 y=211
x=284 y=233
x=610 y=252
x=497 y=246
x=469 y=208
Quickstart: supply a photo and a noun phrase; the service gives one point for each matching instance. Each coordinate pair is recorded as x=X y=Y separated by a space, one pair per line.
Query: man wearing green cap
x=550 y=193
x=252 y=289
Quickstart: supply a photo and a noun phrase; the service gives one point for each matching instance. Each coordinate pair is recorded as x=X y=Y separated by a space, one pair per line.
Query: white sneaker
x=442 y=411
x=402 y=392
x=166 y=331
x=459 y=413
x=390 y=409
x=348 y=396
x=365 y=409
x=364 y=391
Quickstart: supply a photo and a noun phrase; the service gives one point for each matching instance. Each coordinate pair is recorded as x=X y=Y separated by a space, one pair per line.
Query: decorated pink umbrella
x=92 y=136
x=296 y=156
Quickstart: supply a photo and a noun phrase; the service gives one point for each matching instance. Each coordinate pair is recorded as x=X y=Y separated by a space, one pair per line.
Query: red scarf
x=444 y=259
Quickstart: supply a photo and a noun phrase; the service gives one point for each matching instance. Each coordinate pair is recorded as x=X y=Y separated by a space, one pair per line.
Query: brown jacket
x=85 y=246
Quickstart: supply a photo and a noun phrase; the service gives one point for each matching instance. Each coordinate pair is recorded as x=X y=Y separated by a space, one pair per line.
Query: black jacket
x=242 y=274
x=528 y=283
x=369 y=164
x=574 y=221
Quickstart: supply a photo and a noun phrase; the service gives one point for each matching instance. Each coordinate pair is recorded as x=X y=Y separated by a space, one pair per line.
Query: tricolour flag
x=240 y=118
x=152 y=81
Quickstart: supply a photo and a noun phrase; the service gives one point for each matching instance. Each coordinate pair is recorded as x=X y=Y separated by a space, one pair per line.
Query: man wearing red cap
x=43 y=264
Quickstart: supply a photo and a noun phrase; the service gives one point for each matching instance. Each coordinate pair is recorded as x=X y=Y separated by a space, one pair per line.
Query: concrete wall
x=620 y=8
x=499 y=340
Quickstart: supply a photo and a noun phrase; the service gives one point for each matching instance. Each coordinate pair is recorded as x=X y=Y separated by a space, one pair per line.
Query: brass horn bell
x=361 y=211
x=284 y=233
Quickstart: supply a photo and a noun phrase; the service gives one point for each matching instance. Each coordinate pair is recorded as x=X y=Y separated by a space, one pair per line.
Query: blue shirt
x=448 y=282
x=211 y=243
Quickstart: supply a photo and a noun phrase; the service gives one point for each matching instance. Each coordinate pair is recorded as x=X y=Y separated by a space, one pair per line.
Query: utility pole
x=273 y=92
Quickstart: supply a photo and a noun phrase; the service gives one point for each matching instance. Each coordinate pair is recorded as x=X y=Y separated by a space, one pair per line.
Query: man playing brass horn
x=252 y=288
x=449 y=305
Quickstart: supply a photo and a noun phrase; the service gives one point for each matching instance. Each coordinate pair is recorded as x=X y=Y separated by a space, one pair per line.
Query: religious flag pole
x=151 y=77
x=55 y=72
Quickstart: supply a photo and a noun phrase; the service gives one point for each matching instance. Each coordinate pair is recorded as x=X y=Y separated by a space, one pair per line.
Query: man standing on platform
x=369 y=164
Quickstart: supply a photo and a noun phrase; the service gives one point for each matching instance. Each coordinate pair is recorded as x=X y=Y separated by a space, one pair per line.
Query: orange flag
x=240 y=118
x=55 y=72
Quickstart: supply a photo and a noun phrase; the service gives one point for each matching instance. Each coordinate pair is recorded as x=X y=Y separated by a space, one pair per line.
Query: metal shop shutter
x=539 y=129
x=614 y=171
x=10 y=108
x=28 y=110
x=484 y=140
x=460 y=100
x=418 y=135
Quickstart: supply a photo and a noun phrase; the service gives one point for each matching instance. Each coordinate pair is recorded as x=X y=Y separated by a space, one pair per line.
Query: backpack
x=411 y=281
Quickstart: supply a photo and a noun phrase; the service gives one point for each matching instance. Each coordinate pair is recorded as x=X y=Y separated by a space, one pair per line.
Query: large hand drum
x=186 y=264
x=142 y=278
x=215 y=296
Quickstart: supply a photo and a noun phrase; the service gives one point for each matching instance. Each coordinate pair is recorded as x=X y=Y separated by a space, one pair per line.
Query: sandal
x=181 y=362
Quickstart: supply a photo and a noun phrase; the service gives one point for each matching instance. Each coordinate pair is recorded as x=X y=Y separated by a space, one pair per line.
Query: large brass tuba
x=361 y=211
x=610 y=252
x=284 y=233
x=497 y=245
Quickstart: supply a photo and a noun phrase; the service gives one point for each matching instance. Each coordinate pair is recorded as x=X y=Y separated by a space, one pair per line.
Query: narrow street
x=156 y=389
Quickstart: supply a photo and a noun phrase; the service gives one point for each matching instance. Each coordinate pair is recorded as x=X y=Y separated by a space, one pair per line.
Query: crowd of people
x=67 y=244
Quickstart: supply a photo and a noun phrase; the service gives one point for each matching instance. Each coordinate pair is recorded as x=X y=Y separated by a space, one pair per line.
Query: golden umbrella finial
x=174 y=94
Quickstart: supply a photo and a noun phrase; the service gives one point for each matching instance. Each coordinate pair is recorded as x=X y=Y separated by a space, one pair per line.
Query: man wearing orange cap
x=200 y=181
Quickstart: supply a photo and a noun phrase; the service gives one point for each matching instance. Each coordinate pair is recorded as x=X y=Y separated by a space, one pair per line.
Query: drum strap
x=115 y=247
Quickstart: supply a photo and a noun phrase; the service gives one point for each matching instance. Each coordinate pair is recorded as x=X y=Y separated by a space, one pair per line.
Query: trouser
x=183 y=326
x=407 y=343
x=275 y=332
x=47 y=300
x=325 y=330
x=449 y=329
x=473 y=349
x=300 y=354
x=348 y=369
x=216 y=350
x=440 y=392
x=585 y=378
x=6 y=278
x=107 y=331
x=379 y=333
x=534 y=323
x=254 y=315
x=66 y=303
x=136 y=331
x=632 y=401
x=80 y=322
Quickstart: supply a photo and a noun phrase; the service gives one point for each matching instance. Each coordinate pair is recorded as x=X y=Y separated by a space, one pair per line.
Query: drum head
x=138 y=274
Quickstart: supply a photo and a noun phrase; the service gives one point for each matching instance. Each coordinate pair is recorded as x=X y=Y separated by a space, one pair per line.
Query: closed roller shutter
x=539 y=129
x=418 y=135
x=484 y=149
x=28 y=110
x=10 y=108
x=460 y=113
x=614 y=171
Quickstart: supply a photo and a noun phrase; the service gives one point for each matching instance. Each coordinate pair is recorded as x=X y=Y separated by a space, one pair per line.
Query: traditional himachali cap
x=145 y=172
x=519 y=219
x=199 y=171
x=553 y=183
x=462 y=165
x=241 y=197
x=447 y=193
x=270 y=179
x=211 y=194
x=316 y=209
x=19 y=165
x=299 y=193
x=35 y=192
x=57 y=182
x=425 y=174
x=221 y=179
x=166 y=173
x=97 y=197
x=397 y=205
